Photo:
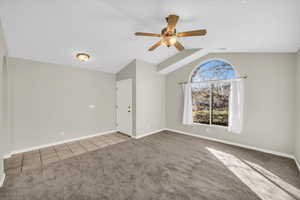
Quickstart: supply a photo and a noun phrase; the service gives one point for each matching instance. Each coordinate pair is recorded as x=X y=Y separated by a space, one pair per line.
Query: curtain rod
x=238 y=78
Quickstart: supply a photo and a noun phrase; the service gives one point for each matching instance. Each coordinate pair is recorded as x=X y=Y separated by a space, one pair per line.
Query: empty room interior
x=150 y=100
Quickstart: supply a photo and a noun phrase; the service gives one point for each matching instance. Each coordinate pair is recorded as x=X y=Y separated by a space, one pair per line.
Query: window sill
x=209 y=125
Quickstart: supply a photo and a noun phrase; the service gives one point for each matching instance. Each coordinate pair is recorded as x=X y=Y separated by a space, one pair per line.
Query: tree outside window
x=210 y=92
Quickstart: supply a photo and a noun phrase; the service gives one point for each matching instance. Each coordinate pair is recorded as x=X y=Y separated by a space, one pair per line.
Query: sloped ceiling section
x=55 y=30
x=180 y=59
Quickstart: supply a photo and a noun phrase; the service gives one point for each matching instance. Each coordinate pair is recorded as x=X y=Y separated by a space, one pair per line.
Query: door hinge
x=117 y=124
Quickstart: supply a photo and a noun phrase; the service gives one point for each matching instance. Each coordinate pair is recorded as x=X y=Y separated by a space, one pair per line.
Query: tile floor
x=18 y=163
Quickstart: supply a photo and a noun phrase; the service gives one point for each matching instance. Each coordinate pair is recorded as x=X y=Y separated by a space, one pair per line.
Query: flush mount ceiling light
x=83 y=57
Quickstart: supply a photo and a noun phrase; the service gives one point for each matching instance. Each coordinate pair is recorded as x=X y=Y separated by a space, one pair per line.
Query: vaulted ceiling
x=55 y=30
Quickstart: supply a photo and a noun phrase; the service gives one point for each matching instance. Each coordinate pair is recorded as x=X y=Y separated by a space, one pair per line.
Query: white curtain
x=236 y=106
x=187 y=104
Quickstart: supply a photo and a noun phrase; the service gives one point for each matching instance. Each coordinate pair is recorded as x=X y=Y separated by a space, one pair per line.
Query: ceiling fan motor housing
x=164 y=32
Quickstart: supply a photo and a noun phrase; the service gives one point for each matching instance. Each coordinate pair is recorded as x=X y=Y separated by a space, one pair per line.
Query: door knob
x=129 y=108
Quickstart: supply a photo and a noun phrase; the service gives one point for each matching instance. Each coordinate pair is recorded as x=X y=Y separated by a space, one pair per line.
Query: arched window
x=210 y=92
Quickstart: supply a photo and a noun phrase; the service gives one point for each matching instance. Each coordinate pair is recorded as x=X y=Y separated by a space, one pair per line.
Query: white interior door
x=124 y=106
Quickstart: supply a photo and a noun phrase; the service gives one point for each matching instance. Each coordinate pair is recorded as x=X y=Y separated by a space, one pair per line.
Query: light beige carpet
x=159 y=167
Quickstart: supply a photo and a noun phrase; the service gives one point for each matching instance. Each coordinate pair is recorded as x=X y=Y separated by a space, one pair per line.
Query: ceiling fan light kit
x=169 y=36
x=169 y=40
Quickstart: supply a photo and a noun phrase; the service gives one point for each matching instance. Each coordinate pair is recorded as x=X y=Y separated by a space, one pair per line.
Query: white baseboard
x=149 y=133
x=57 y=143
x=2 y=178
x=234 y=144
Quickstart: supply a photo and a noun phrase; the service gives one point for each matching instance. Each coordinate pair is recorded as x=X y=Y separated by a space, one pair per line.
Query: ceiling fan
x=169 y=36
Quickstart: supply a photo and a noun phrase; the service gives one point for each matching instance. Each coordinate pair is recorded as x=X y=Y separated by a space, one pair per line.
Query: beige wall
x=269 y=100
x=51 y=103
x=297 y=136
x=4 y=136
x=150 y=98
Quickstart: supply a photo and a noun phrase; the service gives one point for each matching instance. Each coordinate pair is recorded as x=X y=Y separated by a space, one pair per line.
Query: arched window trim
x=208 y=60
x=190 y=81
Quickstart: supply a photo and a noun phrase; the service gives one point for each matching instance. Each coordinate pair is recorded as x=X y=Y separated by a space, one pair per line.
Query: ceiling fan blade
x=179 y=46
x=192 y=33
x=155 y=45
x=172 y=21
x=147 y=34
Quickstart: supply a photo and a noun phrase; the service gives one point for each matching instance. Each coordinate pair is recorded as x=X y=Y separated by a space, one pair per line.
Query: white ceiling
x=55 y=30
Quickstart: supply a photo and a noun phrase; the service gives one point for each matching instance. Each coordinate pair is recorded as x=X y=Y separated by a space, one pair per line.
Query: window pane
x=201 y=103
x=213 y=70
x=220 y=102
